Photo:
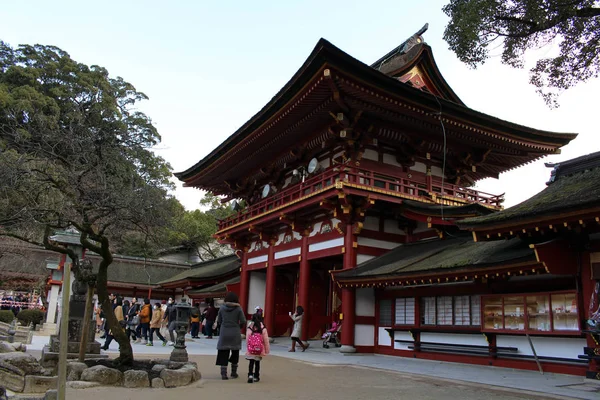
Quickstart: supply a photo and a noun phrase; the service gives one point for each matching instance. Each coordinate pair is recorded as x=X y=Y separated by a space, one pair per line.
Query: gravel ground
x=284 y=378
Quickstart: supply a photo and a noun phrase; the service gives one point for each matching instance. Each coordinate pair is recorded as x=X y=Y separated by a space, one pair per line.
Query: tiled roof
x=441 y=255
x=218 y=288
x=576 y=186
x=208 y=269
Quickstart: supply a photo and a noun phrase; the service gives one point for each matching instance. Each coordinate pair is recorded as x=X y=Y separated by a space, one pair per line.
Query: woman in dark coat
x=231 y=318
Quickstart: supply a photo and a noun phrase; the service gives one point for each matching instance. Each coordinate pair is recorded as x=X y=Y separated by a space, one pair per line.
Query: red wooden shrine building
x=351 y=164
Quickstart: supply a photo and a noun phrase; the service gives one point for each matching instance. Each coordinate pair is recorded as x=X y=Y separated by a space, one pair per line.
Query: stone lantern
x=182 y=324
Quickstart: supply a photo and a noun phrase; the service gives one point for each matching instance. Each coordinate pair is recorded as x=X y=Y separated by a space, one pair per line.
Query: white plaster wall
x=381 y=244
x=390 y=159
x=402 y=335
x=256 y=291
x=364 y=335
x=391 y=226
x=371 y=154
x=544 y=346
x=287 y=253
x=594 y=257
x=256 y=260
x=419 y=167
x=383 y=337
x=361 y=258
x=326 y=244
x=436 y=171
x=371 y=223
x=365 y=302
x=454 y=338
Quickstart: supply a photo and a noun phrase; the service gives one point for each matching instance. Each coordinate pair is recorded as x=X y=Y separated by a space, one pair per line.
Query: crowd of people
x=142 y=321
x=19 y=301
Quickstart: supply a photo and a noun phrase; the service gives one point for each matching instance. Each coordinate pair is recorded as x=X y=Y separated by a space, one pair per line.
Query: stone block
x=51 y=394
x=74 y=370
x=158 y=383
x=12 y=381
x=20 y=363
x=135 y=379
x=104 y=375
x=93 y=347
x=176 y=377
x=39 y=384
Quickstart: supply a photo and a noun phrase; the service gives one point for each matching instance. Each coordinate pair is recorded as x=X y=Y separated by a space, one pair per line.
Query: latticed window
x=385 y=313
x=405 y=311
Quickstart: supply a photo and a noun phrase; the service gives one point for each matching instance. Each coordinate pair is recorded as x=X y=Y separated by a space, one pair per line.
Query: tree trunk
x=83 y=345
x=125 y=350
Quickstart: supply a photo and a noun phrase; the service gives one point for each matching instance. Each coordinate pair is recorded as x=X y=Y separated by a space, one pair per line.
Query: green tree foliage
x=478 y=27
x=194 y=230
x=76 y=152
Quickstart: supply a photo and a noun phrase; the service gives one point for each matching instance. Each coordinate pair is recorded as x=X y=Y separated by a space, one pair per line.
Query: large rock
x=74 y=370
x=6 y=347
x=136 y=379
x=104 y=375
x=12 y=381
x=158 y=368
x=158 y=383
x=194 y=369
x=176 y=377
x=39 y=384
x=82 y=384
x=20 y=363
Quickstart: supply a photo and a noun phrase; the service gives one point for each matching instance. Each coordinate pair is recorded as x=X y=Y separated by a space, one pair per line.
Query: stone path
x=432 y=374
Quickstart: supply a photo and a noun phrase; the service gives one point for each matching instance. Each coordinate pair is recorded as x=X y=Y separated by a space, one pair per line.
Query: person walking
x=171 y=316
x=118 y=310
x=257 y=343
x=211 y=317
x=155 y=323
x=195 y=321
x=145 y=318
x=231 y=318
x=297 y=331
x=133 y=319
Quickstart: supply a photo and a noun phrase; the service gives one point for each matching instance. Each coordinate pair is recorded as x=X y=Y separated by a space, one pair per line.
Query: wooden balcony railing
x=369 y=180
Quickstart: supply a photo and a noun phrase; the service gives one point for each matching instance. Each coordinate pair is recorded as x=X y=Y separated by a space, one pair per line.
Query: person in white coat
x=297 y=331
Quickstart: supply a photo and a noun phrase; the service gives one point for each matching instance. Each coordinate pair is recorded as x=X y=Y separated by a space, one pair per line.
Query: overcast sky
x=210 y=66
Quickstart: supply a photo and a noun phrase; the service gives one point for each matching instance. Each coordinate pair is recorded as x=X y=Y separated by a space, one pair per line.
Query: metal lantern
x=182 y=323
x=184 y=311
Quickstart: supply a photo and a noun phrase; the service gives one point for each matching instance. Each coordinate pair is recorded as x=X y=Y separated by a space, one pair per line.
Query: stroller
x=332 y=335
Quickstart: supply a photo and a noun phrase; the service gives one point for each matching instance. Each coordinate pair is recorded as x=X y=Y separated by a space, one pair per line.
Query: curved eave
x=424 y=59
x=327 y=55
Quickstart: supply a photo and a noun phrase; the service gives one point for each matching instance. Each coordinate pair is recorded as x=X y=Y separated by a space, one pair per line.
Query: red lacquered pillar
x=348 y=295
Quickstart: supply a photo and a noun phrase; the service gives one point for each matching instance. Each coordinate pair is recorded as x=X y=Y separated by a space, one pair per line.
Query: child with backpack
x=257 y=341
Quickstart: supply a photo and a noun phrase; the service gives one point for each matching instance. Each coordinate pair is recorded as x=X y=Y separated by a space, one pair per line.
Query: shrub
x=30 y=316
x=6 y=316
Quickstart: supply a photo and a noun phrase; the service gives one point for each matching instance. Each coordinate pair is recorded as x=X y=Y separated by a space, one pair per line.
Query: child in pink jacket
x=257 y=342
